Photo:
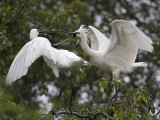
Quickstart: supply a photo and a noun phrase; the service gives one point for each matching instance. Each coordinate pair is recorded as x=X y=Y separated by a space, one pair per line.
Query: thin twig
x=35 y=22
x=158 y=111
x=104 y=114
x=18 y=91
x=73 y=113
x=19 y=94
x=121 y=102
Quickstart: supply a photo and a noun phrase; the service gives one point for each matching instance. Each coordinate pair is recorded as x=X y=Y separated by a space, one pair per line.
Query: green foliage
x=134 y=104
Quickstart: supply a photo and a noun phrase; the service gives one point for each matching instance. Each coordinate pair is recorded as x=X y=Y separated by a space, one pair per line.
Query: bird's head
x=81 y=32
x=34 y=33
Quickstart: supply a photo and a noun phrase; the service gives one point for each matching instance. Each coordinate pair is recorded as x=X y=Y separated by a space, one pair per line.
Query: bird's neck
x=86 y=48
x=33 y=36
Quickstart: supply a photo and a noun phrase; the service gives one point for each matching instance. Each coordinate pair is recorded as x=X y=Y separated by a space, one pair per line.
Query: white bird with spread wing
x=57 y=60
x=117 y=54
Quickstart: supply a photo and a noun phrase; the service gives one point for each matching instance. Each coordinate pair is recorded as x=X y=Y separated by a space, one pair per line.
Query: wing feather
x=124 y=43
x=27 y=55
x=98 y=40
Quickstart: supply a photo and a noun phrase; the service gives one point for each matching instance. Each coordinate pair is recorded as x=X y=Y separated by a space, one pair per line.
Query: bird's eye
x=78 y=33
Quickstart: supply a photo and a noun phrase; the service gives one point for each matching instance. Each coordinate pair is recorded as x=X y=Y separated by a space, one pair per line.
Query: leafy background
x=37 y=91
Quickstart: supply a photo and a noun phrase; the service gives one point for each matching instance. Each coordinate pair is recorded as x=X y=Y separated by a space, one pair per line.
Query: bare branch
x=89 y=115
x=73 y=113
x=158 y=111
x=102 y=113
x=35 y=22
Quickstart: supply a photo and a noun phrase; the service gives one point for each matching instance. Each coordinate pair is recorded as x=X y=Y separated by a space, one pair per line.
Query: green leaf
x=100 y=109
x=19 y=117
x=144 y=99
x=115 y=115
x=152 y=110
x=103 y=119
x=120 y=115
x=132 y=114
x=138 y=99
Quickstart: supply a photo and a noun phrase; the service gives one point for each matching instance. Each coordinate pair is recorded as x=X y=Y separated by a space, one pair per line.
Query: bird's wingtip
x=151 y=50
x=119 y=21
x=7 y=82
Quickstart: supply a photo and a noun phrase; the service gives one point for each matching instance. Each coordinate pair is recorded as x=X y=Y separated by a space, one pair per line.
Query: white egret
x=117 y=54
x=57 y=60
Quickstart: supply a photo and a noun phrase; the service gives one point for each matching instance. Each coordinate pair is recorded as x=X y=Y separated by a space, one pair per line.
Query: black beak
x=41 y=32
x=73 y=33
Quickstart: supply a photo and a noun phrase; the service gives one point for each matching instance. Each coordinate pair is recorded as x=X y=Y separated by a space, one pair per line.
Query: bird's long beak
x=63 y=41
x=73 y=33
x=53 y=32
x=41 y=32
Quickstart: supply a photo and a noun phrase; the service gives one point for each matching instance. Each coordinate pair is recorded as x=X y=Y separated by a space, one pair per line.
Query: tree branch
x=158 y=111
x=35 y=22
x=89 y=115
x=104 y=114
x=73 y=113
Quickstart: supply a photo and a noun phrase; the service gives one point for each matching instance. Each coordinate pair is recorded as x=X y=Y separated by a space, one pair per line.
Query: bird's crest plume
x=87 y=31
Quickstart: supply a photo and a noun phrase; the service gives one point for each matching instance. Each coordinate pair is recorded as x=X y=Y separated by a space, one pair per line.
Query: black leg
x=114 y=96
x=60 y=92
x=72 y=92
x=116 y=89
x=116 y=92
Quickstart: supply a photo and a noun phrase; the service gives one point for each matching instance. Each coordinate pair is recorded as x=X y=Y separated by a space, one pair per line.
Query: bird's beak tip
x=73 y=33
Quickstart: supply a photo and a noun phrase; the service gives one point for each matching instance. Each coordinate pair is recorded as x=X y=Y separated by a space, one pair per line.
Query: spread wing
x=27 y=55
x=124 y=42
x=99 y=41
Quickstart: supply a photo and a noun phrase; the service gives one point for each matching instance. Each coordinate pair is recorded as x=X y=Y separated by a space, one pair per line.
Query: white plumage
x=117 y=54
x=57 y=60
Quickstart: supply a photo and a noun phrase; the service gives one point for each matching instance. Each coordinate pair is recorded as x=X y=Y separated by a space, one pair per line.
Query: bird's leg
x=115 y=76
x=60 y=92
x=72 y=92
x=114 y=96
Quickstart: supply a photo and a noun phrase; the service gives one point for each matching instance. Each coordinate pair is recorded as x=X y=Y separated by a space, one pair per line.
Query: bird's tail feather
x=139 y=64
